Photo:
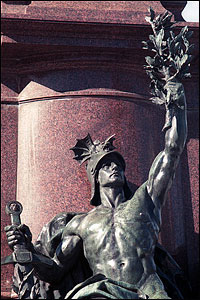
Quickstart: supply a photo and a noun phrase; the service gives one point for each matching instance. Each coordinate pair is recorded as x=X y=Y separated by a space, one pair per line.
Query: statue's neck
x=112 y=196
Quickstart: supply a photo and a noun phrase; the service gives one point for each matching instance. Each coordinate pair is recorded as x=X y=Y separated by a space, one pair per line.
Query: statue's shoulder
x=140 y=193
x=73 y=225
x=61 y=220
x=51 y=233
x=141 y=200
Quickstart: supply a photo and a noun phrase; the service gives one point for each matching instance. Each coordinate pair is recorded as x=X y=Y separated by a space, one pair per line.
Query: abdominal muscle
x=119 y=251
x=121 y=265
x=132 y=270
x=127 y=269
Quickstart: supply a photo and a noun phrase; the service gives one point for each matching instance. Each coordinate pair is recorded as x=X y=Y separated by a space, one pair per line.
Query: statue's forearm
x=176 y=135
x=46 y=268
x=48 y=274
x=64 y=258
x=176 y=119
x=163 y=168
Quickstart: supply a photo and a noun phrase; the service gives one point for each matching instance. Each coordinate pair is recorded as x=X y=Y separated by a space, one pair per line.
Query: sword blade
x=10 y=259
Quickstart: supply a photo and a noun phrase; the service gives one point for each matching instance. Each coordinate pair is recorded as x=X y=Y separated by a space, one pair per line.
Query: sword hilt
x=21 y=255
x=14 y=209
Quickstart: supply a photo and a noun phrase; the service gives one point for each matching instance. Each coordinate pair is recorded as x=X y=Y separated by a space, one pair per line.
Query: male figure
x=119 y=236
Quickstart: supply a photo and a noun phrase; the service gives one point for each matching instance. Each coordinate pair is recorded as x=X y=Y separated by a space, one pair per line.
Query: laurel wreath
x=172 y=57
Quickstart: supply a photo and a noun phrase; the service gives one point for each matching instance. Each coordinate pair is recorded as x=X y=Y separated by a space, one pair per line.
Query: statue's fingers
x=24 y=228
x=13 y=243
x=10 y=227
x=26 y=231
x=11 y=232
x=13 y=238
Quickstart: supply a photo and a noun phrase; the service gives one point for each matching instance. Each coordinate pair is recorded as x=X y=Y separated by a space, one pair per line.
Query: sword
x=20 y=254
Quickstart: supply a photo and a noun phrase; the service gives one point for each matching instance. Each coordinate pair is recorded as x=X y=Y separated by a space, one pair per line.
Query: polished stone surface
x=48 y=177
x=51 y=63
x=9 y=123
x=125 y=12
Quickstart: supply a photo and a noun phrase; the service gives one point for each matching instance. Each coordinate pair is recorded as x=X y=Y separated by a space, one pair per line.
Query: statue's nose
x=114 y=166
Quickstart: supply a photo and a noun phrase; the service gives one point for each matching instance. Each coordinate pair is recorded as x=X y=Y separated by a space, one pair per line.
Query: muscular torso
x=119 y=242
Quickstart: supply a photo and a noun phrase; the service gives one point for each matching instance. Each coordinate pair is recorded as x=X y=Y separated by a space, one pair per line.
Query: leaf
x=190 y=58
x=148 y=19
x=152 y=38
x=173 y=64
x=183 y=59
x=167 y=19
x=184 y=30
x=157 y=100
x=148 y=68
x=172 y=34
x=144 y=42
x=159 y=38
x=158 y=61
x=149 y=60
x=158 y=18
x=187 y=75
x=186 y=43
x=151 y=75
x=189 y=34
x=164 y=16
x=180 y=35
x=152 y=13
x=168 y=41
x=185 y=69
x=171 y=47
x=191 y=48
x=170 y=25
x=177 y=47
x=181 y=52
x=177 y=62
x=145 y=45
x=148 y=45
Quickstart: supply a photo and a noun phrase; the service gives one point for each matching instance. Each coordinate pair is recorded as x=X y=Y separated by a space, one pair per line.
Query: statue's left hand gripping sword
x=20 y=254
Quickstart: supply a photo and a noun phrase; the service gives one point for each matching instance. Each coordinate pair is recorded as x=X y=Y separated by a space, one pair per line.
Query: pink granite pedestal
x=49 y=180
x=73 y=67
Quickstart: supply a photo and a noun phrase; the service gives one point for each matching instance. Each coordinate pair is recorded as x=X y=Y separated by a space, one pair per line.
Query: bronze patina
x=112 y=251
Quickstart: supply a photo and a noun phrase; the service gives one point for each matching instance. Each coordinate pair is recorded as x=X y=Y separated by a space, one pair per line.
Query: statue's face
x=111 y=172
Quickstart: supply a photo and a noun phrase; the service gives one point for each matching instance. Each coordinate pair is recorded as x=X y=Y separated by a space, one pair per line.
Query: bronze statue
x=111 y=252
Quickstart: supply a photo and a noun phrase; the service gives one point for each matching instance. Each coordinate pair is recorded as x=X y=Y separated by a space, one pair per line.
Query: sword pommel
x=14 y=209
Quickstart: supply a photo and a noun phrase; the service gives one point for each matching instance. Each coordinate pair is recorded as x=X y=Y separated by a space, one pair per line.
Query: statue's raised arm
x=163 y=168
x=166 y=69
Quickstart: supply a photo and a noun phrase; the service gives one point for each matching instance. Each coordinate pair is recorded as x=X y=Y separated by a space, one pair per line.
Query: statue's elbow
x=174 y=149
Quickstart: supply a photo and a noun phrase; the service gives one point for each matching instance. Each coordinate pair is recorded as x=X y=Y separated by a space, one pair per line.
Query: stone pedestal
x=49 y=180
x=73 y=67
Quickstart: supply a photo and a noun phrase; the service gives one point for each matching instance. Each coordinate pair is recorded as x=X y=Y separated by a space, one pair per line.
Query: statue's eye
x=106 y=165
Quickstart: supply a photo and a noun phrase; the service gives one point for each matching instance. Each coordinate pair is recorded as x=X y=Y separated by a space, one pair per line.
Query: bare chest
x=120 y=230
